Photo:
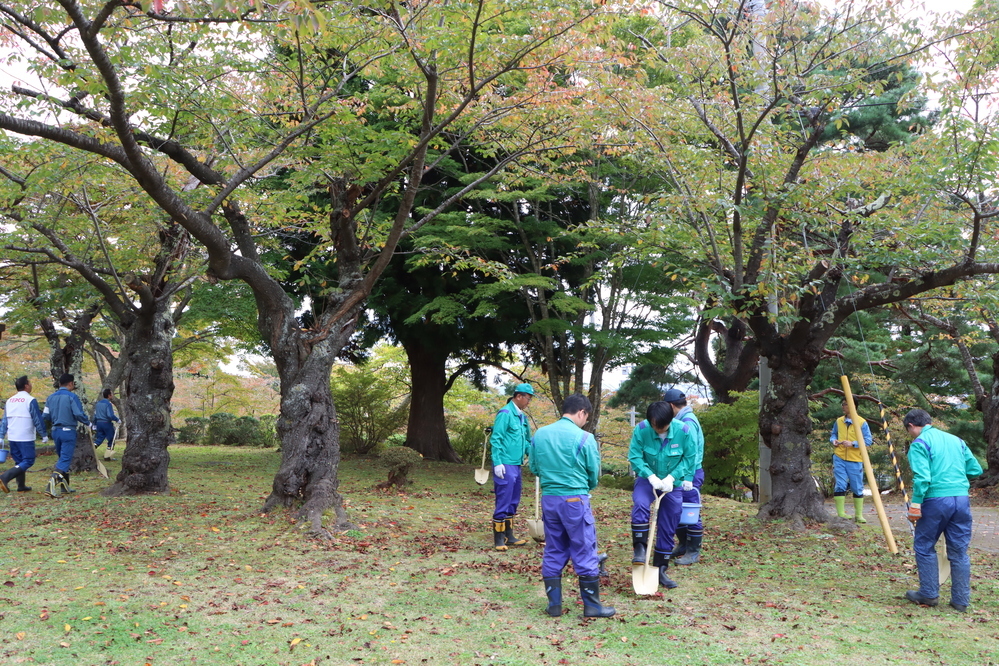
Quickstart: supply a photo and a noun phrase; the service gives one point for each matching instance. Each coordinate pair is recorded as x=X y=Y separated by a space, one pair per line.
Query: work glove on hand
x=668 y=484
x=45 y=439
x=93 y=426
x=687 y=486
x=657 y=483
x=500 y=471
x=915 y=512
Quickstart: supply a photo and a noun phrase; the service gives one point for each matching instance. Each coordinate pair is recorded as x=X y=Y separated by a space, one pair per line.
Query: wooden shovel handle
x=537 y=498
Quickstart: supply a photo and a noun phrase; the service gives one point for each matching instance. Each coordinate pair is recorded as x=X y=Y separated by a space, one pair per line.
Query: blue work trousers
x=848 y=474
x=570 y=534
x=667 y=518
x=507 y=492
x=950 y=516
x=105 y=431
x=23 y=454
x=65 y=444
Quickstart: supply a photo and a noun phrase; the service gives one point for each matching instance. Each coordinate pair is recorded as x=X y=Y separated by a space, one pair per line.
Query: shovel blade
x=645 y=579
x=481 y=476
x=943 y=567
x=536 y=528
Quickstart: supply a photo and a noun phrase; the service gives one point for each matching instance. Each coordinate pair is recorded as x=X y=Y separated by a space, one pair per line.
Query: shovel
x=536 y=527
x=645 y=577
x=100 y=466
x=482 y=474
x=943 y=567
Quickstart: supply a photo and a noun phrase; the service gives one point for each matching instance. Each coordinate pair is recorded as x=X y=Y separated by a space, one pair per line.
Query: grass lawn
x=199 y=576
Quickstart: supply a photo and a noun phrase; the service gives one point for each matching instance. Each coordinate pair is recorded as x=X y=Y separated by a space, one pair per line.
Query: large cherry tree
x=240 y=122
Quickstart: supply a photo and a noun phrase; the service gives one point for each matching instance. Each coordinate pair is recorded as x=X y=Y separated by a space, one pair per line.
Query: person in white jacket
x=21 y=420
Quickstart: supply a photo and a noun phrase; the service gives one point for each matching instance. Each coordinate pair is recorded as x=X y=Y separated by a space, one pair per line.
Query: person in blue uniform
x=689 y=537
x=941 y=464
x=63 y=410
x=21 y=420
x=104 y=420
x=509 y=441
x=661 y=454
x=566 y=459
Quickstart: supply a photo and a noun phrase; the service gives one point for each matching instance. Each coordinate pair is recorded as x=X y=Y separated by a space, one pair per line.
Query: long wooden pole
x=868 y=470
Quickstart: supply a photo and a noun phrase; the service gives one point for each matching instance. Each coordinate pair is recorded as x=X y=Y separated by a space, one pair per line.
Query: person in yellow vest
x=848 y=465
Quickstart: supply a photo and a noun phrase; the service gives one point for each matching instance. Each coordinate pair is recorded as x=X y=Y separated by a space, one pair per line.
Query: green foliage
x=193 y=430
x=370 y=402
x=466 y=431
x=225 y=429
x=400 y=461
x=731 y=444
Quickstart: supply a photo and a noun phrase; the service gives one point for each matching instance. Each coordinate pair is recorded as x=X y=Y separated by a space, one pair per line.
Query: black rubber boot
x=553 y=588
x=681 y=543
x=65 y=484
x=511 y=540
x=601 y=560
x=589 y=590
x=22 y=484
x=6 y=477
x=693 y=549
x=661 y=560
x=499 y=535
x=639 y=541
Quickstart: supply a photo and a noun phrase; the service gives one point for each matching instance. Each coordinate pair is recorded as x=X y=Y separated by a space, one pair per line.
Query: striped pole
x=894 y=461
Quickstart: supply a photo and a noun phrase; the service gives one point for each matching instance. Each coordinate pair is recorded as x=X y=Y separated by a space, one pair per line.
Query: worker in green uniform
x=509 y=441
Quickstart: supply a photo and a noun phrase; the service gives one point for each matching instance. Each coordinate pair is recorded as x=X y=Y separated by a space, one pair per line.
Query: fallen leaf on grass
x=20 y=635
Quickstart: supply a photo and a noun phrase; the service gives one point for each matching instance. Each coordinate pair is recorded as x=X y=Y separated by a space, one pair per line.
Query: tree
x=139 y=274
x=300 y=89
x=789 y=234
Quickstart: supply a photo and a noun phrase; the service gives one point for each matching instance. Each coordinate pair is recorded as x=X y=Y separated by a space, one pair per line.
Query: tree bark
x=785 y=426
x=989 y=406
x=148 y=390
x=426 y=432
x=739 y=365
x=308 y=429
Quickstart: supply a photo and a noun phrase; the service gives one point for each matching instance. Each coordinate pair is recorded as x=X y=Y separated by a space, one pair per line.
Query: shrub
x=467 y=431
x=731 y=445
x=399 y=460
x=228 y=430
x=368 y=407
x=193 y=430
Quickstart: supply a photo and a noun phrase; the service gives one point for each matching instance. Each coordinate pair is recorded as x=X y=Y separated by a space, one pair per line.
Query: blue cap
x=674 y=395
x=523 y=388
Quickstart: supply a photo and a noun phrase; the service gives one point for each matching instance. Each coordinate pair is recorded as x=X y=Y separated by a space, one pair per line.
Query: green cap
x=523 y=388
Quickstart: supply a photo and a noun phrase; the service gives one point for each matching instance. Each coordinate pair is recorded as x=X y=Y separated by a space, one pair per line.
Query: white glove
x=668 y=484
x=687 y=486
x=45 y=439
x=93 y=426
x=657 y=483
x=500 y=471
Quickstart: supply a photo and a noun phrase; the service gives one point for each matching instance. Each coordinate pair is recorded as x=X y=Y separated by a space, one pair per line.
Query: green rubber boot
x=858 y=510
x=841 y=506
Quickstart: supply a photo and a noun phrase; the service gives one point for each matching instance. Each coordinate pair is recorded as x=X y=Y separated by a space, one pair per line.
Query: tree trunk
x=427 y=430
x=308 y=428
x=785 y=426
x=148 y=389
x=989 y=406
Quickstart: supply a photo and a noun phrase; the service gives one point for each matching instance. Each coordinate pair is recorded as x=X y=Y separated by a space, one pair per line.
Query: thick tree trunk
x=148 y=389
x=989 y=406
x=308 y=429
x=427 y=431
x=785 y=426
